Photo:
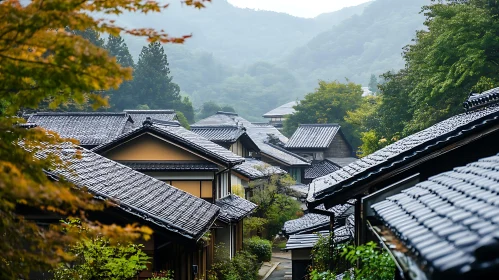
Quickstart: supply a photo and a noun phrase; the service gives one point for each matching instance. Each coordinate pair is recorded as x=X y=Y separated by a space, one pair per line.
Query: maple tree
x=41 y=60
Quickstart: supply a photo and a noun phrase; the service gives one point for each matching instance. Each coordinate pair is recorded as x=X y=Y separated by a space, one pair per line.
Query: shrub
x=326 y=275
x=243 y=266
x=162 y=275
x=374 y=263
x=261 y=248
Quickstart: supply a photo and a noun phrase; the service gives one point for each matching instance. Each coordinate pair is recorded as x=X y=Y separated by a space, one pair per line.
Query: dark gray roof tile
x=136 y=193
x=91 y=129
x=312 y=222
x=306 y=241
x=228 y=134
x=320 y=169
x=313 y=136
x=456 y=225
x=234 y=208
x=256 y=169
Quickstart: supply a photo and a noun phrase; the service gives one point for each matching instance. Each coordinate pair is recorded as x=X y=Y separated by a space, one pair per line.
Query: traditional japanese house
x=277 y=116
x=139 y=116
x=91 y=129
x=446 y=227
x=185 y=160
x=318 y=142
x=461 y=139
x=179 y=219
x=264 y=144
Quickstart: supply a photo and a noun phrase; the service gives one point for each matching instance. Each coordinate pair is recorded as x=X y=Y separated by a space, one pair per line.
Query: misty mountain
x=258 y=60
x=236 y=36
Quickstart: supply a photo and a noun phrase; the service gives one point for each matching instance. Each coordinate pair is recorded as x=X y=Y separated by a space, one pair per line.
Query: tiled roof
x=139 y=116
x=392 y=156
x=228 y=134
x=478 y=100
x=281 y=111
x=313 y=136
x=175 y=132
x=136 y=193
x=258 y=133
x=342 y=161
x=91 y=129
x=311 y=222
x=450 y=223
x=306 y=241
x=320 y=169
x=256 y=169
x=220 y=119
x=234 y=208
x=169 y=166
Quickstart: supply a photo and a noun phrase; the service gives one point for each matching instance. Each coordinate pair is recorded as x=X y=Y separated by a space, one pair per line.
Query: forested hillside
x=264 y=59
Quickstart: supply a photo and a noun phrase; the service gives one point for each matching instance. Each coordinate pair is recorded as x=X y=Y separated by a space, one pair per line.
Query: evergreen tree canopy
x=328 y=104
x=373 y=84
x=456 y=54
x=117 y=47
x=152 y=83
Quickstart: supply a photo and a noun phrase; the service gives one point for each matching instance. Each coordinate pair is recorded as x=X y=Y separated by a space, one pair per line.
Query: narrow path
x=283 y=270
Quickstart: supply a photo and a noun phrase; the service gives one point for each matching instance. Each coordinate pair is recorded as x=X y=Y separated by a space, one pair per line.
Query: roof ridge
x=320 y=124
x=227 y=113
x=149 y=111
x=479 y=100
x=214 y=127
x=79 y=114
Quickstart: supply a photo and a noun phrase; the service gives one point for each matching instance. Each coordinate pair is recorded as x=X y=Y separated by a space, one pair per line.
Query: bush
x=261 y=248
x=243 y=266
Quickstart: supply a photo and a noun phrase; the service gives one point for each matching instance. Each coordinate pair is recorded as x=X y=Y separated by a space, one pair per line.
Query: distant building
x=322 y=144
x=276 y=116
x=265 y=137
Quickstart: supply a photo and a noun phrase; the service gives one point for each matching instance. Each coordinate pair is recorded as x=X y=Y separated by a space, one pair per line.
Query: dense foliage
x=374 y=263
x=243 y=266
x=330 y=259
x=456 y=54
x=275 y=207
x=41 y=59
x=97 y=258
x=261 y=248
x=328 y=104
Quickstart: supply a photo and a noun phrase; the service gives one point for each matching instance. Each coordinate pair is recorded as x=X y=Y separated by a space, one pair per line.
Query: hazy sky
x=300 y=8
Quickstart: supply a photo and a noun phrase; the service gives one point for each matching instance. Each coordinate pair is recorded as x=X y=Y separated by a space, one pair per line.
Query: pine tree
x=117 y=47
x=122 y=97
x=89 y=34
x=152 y=83
x=373 y=84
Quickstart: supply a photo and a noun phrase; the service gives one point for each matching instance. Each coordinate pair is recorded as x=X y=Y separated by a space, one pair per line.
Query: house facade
x=187 y=161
